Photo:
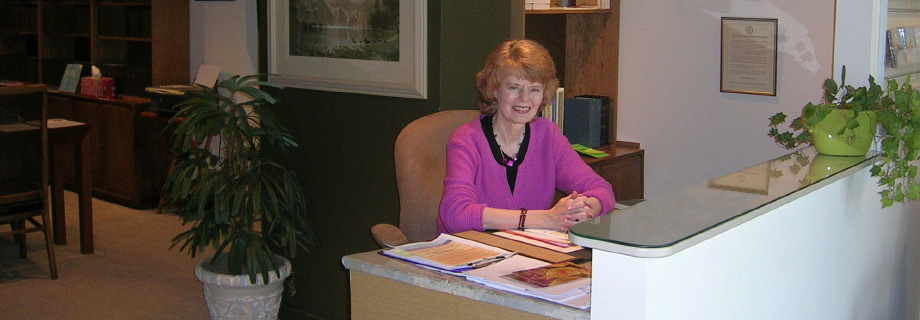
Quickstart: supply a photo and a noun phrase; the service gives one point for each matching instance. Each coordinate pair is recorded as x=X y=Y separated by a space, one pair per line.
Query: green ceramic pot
x=851 y=143
x=823 y=166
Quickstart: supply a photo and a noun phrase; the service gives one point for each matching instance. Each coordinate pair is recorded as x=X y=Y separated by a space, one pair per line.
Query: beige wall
x=669 y=98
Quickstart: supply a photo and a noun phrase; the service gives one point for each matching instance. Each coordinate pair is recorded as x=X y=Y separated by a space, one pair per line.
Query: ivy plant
x=896 y=165
x=897 y=109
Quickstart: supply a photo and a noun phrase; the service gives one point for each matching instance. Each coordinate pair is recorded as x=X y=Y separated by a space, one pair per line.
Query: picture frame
x=404 y=77
x=749 y=56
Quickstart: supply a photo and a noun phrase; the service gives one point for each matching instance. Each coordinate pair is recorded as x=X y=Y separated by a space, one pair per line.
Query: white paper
x=575 y=294
x=207 y=75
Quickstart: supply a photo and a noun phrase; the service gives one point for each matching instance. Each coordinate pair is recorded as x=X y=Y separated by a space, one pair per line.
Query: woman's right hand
x=559 y=217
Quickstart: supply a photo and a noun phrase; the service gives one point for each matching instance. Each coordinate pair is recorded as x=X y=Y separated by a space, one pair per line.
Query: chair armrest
x=388 y=235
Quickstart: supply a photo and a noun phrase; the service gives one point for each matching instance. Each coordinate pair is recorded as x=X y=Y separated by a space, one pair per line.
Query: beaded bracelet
x=523 y=217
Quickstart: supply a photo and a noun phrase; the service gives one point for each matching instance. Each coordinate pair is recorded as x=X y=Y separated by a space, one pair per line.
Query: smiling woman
x=503 y=169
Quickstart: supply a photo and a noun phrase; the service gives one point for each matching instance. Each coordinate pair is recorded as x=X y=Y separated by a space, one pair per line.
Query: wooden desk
x=58 y=137
x=387 y=288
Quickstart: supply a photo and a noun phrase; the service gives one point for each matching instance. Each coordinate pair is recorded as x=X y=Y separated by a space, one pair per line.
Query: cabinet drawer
x=624 y=169
x=625 y=176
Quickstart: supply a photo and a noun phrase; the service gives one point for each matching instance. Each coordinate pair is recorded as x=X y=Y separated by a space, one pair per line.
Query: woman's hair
x=525 y=59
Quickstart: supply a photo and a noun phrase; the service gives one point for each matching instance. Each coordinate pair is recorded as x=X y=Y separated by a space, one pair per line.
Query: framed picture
x=749 y=56
x=358 y=46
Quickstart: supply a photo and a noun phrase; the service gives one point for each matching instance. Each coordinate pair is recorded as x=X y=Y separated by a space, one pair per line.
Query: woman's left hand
x=582 y=208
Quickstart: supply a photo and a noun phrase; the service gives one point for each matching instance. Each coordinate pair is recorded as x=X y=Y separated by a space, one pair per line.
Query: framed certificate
x=749 y=56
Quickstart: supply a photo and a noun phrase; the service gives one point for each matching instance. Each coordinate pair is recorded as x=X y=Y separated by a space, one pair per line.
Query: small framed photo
x=749 y=56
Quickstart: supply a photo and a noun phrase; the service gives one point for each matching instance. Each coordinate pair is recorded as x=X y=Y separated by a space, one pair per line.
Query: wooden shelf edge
x=627 y=144
x=130 y=39
x=125 y=4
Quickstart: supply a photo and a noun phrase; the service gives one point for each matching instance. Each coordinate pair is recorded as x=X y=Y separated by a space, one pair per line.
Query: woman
x=503 y=169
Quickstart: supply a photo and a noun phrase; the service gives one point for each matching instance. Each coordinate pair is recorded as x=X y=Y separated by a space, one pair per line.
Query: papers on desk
x=576 y=294
x=550 y=239
x=60 y=123
x=500 y=269
x=450 y=253
x=17 y=127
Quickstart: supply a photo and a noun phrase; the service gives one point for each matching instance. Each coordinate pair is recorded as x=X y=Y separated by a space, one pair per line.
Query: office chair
x=421 y=161
x=24 y=166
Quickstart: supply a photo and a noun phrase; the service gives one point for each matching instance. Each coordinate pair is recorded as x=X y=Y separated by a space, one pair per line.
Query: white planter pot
x=234 y=297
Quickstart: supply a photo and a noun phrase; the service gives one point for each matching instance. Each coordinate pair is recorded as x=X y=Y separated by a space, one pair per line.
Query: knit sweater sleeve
x=573 y=174
x=461 y=209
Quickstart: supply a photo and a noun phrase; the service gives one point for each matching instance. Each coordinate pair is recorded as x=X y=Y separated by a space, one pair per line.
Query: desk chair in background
x=421 y=163
x=24 y=166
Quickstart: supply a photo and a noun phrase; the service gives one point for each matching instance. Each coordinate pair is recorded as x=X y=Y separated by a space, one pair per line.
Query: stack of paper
x=565 y=283
x=449 y=253
x=575 y=293
x=549 y=239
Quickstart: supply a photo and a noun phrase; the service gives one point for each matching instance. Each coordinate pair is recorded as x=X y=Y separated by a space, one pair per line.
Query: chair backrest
x=421 y=162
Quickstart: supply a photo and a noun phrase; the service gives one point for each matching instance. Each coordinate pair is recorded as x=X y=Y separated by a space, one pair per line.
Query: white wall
x=669 y=98
x=223 y=33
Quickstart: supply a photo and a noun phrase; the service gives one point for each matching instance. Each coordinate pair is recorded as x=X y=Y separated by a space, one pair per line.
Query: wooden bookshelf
x=139 y=43
x=584 y=44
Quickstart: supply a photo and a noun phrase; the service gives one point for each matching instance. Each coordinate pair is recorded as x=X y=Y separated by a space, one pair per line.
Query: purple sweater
x=474 y=180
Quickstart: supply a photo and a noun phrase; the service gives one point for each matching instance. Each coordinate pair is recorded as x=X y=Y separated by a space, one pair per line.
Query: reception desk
x=802 y=236
x=387 y=288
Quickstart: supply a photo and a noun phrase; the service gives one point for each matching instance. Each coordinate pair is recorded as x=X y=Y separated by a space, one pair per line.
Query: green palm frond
x=234 y=197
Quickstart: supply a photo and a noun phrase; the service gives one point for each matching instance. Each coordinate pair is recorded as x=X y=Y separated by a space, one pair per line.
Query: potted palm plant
x=846 y=123
x=235 y=197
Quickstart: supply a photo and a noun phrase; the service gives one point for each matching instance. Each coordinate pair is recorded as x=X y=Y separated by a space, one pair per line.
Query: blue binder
x=583 y=121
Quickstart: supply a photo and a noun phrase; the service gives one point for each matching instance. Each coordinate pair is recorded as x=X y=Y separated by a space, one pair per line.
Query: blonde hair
x=525 y=59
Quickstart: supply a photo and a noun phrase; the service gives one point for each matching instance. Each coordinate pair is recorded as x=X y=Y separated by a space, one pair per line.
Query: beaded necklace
x=506 y=159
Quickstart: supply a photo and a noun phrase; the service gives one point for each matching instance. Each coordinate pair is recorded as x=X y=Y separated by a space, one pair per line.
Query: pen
x=485 y=262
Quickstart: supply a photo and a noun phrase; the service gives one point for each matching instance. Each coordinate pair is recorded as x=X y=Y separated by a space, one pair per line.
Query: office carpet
x=131 y=275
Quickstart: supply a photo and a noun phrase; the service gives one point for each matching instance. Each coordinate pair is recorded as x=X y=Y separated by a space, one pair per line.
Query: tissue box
x=91 y=87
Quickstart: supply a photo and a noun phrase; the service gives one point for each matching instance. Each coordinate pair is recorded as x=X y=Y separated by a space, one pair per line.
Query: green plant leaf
x=777 y=119
x=913 y=191
x=225 y=191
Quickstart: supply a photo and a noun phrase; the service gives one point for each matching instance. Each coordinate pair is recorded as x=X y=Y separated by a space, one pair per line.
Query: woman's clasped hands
x=574 y=208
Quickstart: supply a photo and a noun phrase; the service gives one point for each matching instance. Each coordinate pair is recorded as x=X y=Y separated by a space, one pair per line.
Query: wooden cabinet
x=128 y=163
x=624 y=169
x=139 y=43
x=585 y=48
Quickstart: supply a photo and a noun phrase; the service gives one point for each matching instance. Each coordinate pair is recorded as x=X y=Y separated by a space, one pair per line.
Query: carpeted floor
x=132 y=274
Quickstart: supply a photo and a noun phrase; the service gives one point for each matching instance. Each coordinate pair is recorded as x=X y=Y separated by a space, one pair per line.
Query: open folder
x=450 y=253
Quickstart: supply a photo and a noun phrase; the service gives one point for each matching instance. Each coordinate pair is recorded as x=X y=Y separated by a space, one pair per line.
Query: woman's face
x=519 y=99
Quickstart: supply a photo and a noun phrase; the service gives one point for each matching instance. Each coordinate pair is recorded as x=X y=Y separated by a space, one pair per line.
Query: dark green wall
x=345 y=158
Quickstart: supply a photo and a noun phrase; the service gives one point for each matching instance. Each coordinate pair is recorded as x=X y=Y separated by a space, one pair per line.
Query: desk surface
x=23 y=88
x=376 y=264
x=662 y=227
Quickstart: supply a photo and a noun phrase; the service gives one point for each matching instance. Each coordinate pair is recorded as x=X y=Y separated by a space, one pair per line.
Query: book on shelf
x=449 y=253
x=582 y=122
x=555 y=110
x=607 y=122
x=71 y=78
